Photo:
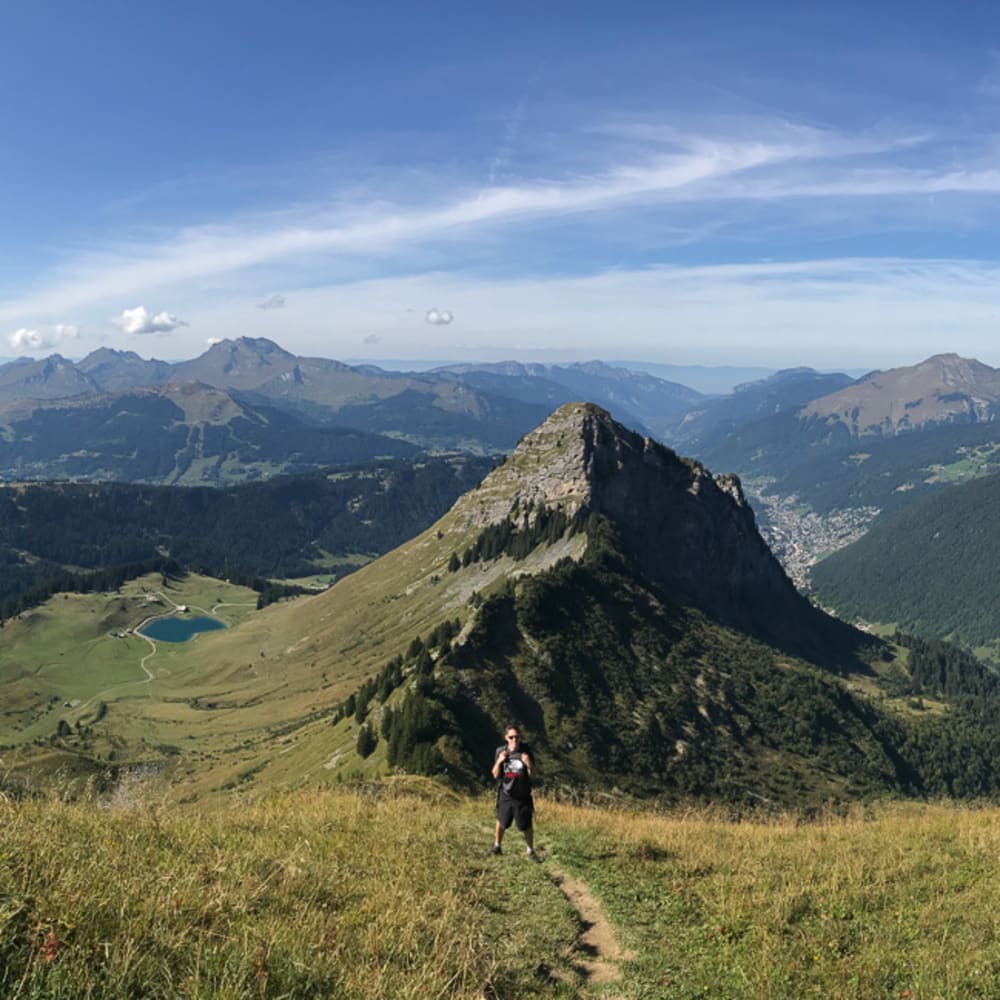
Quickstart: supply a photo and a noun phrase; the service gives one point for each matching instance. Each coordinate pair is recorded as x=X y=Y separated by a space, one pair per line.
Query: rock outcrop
x=690 y=533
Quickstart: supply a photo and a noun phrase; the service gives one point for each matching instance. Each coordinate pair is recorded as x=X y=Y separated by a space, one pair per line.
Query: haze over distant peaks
x=48 y=378
x=782 y=392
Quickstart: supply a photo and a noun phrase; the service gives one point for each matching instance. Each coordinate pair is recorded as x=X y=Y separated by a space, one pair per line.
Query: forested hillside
x=289 y=526
x=829 y=470
x=933 y=567
x=621 y=689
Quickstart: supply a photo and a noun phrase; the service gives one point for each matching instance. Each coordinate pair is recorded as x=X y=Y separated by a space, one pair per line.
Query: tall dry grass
x=384 y=893
x=899 y=901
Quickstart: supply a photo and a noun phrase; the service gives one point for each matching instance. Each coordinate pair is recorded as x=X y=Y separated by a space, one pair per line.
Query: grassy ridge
x=385 y=891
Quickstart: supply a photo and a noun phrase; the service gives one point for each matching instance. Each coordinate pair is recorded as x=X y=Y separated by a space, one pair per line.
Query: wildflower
x=50 y=947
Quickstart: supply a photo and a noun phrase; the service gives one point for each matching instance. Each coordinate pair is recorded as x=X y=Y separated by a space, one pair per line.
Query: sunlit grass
x=379 y=894
x=386 y=891
x=900 y=902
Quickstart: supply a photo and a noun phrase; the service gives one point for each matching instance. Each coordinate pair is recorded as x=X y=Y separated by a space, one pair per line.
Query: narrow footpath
x=597 y=939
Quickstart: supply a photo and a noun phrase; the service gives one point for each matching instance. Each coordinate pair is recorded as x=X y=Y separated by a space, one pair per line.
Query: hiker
x=513 y=770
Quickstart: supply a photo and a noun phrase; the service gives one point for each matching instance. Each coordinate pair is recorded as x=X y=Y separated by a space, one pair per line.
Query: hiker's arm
x=496 y=765
x=526 y=757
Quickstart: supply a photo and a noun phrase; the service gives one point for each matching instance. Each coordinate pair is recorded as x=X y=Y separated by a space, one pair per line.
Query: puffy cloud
x=272 y=302
x=30 y=339
x=439 y=317
x=373 y=338
x=212 y=341
x=141 y=320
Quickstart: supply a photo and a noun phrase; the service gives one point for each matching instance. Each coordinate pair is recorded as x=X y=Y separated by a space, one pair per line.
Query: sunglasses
x=513 y=737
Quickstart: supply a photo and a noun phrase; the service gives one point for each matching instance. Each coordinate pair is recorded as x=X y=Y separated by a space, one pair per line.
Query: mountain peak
x=552 y=465
x=953 y=369
x=690 y=532
x=946 y=388
x=258 y=346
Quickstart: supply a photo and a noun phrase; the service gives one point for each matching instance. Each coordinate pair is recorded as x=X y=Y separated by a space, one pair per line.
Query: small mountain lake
x=179 y=629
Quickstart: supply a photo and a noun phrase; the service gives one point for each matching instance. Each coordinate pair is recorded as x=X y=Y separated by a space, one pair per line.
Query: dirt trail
x=597 y=938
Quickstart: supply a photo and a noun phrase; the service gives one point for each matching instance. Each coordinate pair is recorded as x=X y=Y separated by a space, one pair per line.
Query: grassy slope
x=385 y=891
x=251 y=702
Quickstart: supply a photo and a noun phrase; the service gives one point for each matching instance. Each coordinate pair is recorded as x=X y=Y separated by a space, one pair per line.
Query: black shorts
x=514 y=811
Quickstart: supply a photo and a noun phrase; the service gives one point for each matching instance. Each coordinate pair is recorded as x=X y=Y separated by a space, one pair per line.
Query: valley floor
x=386 y=890
x=798 y=536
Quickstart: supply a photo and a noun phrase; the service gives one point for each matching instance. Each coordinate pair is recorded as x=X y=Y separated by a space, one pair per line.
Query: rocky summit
x=688 y=532
x=618 y=601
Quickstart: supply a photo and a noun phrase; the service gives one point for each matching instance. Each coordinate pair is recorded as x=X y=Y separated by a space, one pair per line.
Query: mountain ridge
x=944 y=388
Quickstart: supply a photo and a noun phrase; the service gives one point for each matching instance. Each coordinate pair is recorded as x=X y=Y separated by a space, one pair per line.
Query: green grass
x=70 y=650
x=899 y=903
x=975 y=462
x=248 y=705
x=384 y=890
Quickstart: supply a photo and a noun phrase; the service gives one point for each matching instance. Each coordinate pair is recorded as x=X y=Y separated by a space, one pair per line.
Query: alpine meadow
x=499 y=503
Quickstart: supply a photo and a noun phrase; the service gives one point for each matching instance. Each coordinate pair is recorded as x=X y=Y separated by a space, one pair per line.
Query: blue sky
x=771 y=184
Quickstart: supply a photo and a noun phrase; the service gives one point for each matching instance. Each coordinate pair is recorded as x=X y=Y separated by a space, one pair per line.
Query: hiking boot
x=532 y=856
x=495 y=849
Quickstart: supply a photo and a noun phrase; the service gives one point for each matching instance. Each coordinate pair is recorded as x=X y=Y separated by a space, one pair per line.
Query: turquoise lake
x=179 y=629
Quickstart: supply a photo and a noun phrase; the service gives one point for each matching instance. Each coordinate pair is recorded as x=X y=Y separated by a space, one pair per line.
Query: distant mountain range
x=712 y=422
x=821 y=470
x=247 y=408
x=942 y=389
x=643 y=401
x=820 y=453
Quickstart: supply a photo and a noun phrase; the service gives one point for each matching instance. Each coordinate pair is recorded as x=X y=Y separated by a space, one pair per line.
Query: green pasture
x=58 y=659
x=972 y=463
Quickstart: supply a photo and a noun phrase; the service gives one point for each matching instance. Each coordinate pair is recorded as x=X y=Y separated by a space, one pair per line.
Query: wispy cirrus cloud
x=652 y=167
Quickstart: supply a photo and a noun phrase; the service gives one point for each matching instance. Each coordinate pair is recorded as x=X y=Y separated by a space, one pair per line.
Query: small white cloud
x=141 y=320
x=29 y=339
x=212 y=341
x=373 y=338
x=272 y=302
x=439 y=317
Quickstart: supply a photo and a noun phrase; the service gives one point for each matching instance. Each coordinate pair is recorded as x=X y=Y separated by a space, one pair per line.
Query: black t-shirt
x=514 y=780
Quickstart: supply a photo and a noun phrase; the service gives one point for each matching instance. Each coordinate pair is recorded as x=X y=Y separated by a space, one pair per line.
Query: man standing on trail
x=513 y=769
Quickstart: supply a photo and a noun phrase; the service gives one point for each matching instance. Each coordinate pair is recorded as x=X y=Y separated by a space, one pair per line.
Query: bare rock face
x=692 y=534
